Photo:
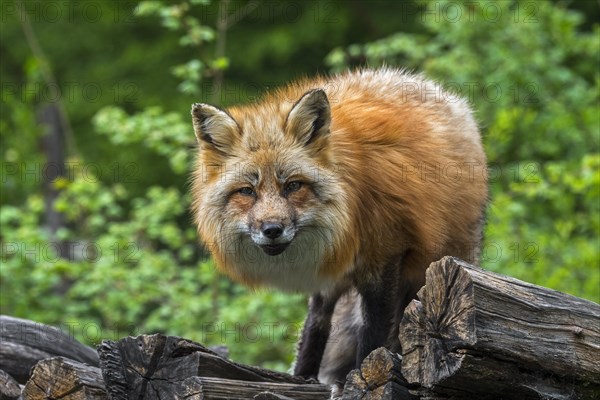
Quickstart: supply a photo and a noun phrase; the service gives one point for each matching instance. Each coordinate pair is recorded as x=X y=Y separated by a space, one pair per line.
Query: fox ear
x=214 y=126
x=310 y=117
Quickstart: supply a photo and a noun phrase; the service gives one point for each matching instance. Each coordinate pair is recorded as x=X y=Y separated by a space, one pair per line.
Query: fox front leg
x=384 y=299
x=378 y=316
x=381 y=305
x=315 y=334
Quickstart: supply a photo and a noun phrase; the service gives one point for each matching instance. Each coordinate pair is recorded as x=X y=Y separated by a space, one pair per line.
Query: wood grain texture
x=271 y=396
x=480 y=332
x=9 y=387
x=63 y=379
x=224 y=389
x=379 y=378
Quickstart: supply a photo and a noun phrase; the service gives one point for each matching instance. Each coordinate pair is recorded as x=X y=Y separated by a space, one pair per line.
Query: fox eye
x=246 y=191
x=293 y=186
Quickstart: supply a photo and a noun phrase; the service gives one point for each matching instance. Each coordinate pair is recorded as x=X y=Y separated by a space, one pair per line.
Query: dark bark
x=165 y=367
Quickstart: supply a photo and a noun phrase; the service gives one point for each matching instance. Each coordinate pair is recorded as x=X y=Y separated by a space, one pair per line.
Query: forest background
x=97 y=146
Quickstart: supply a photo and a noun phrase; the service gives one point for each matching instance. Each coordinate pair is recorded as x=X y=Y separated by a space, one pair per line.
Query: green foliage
x=135 y=265
x=532 y=76
x=178 y=17
x=167 y=134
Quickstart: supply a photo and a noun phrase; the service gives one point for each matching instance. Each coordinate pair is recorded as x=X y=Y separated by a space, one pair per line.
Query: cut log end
x=60 y=378
x=441 y=322
x=379 y=378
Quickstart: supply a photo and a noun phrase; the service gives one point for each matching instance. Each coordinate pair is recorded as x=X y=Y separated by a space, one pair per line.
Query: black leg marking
x=380 y=299
x=378 y=317
x=314 y=335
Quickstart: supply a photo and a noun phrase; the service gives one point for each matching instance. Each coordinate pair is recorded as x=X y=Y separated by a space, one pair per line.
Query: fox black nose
x=272 y=230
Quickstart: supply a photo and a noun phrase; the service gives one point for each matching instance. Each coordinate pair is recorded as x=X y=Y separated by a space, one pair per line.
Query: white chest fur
x=295 y=270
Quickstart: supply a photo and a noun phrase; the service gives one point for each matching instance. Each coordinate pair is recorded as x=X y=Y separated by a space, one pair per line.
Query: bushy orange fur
x=397 y=146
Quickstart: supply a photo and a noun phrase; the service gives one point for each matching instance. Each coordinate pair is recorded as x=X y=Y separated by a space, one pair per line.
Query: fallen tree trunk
x=478 y=333
x=62 y=379
x=25 y=342
x=158 y=367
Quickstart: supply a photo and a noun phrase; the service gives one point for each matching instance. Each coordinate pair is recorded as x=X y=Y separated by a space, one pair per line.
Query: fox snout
x=272 y=230
x=272 y=236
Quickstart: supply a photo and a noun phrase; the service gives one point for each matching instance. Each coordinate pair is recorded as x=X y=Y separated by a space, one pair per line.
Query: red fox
x=353 y=183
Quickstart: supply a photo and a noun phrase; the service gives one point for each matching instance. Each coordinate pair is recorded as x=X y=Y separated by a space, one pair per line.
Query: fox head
x=267 y=199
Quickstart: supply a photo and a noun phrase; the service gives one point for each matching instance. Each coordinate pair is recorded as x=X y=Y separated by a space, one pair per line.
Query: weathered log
x=271 y=396
x=157 y=366
x=9 y=387
x=63 y=379
x=379 y=377
x=199 y=387
x=478 y=332
x=24 y=343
